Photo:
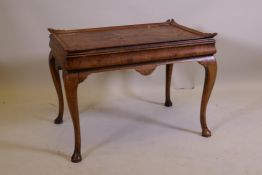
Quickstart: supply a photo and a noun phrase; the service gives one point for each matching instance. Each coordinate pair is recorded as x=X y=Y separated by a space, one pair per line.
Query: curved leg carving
x=169 y=68
x=210 y=66
x=71 y=82
x=56 y=79
x=146 y=70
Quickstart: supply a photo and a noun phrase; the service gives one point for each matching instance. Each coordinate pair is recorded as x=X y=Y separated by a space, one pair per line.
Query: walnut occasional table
x=142 y=47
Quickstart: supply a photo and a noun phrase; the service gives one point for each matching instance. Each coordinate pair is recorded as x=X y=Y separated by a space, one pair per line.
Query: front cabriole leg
x=71 y=81
x=210 y=66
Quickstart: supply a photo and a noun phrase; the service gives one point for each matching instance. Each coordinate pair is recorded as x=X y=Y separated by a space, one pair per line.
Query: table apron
x=139 y=57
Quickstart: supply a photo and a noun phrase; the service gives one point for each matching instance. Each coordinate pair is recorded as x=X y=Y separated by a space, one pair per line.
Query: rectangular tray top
x=141 y=36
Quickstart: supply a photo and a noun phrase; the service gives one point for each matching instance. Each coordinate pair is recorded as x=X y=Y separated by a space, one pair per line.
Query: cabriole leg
x=210 y=66
x=56 y=79
x=71 y=82
x=169 y=68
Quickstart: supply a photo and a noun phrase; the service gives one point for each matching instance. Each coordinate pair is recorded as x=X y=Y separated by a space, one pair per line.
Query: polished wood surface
x=126 y=36
x=123 y=45
x=143 y=47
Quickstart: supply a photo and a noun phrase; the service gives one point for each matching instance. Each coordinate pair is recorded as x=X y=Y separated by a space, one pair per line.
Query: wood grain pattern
x=143 y=47
x=144 y=56
x=125 y=36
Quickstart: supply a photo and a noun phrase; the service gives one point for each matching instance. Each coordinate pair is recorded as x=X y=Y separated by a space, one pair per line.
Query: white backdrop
x=24 y=35
x=134 y=122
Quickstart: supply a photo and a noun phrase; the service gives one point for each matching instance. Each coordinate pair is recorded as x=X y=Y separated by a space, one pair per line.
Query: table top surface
x=95 y=39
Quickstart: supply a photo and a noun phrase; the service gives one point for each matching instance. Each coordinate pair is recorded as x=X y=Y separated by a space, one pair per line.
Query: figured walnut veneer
x=142 y=47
